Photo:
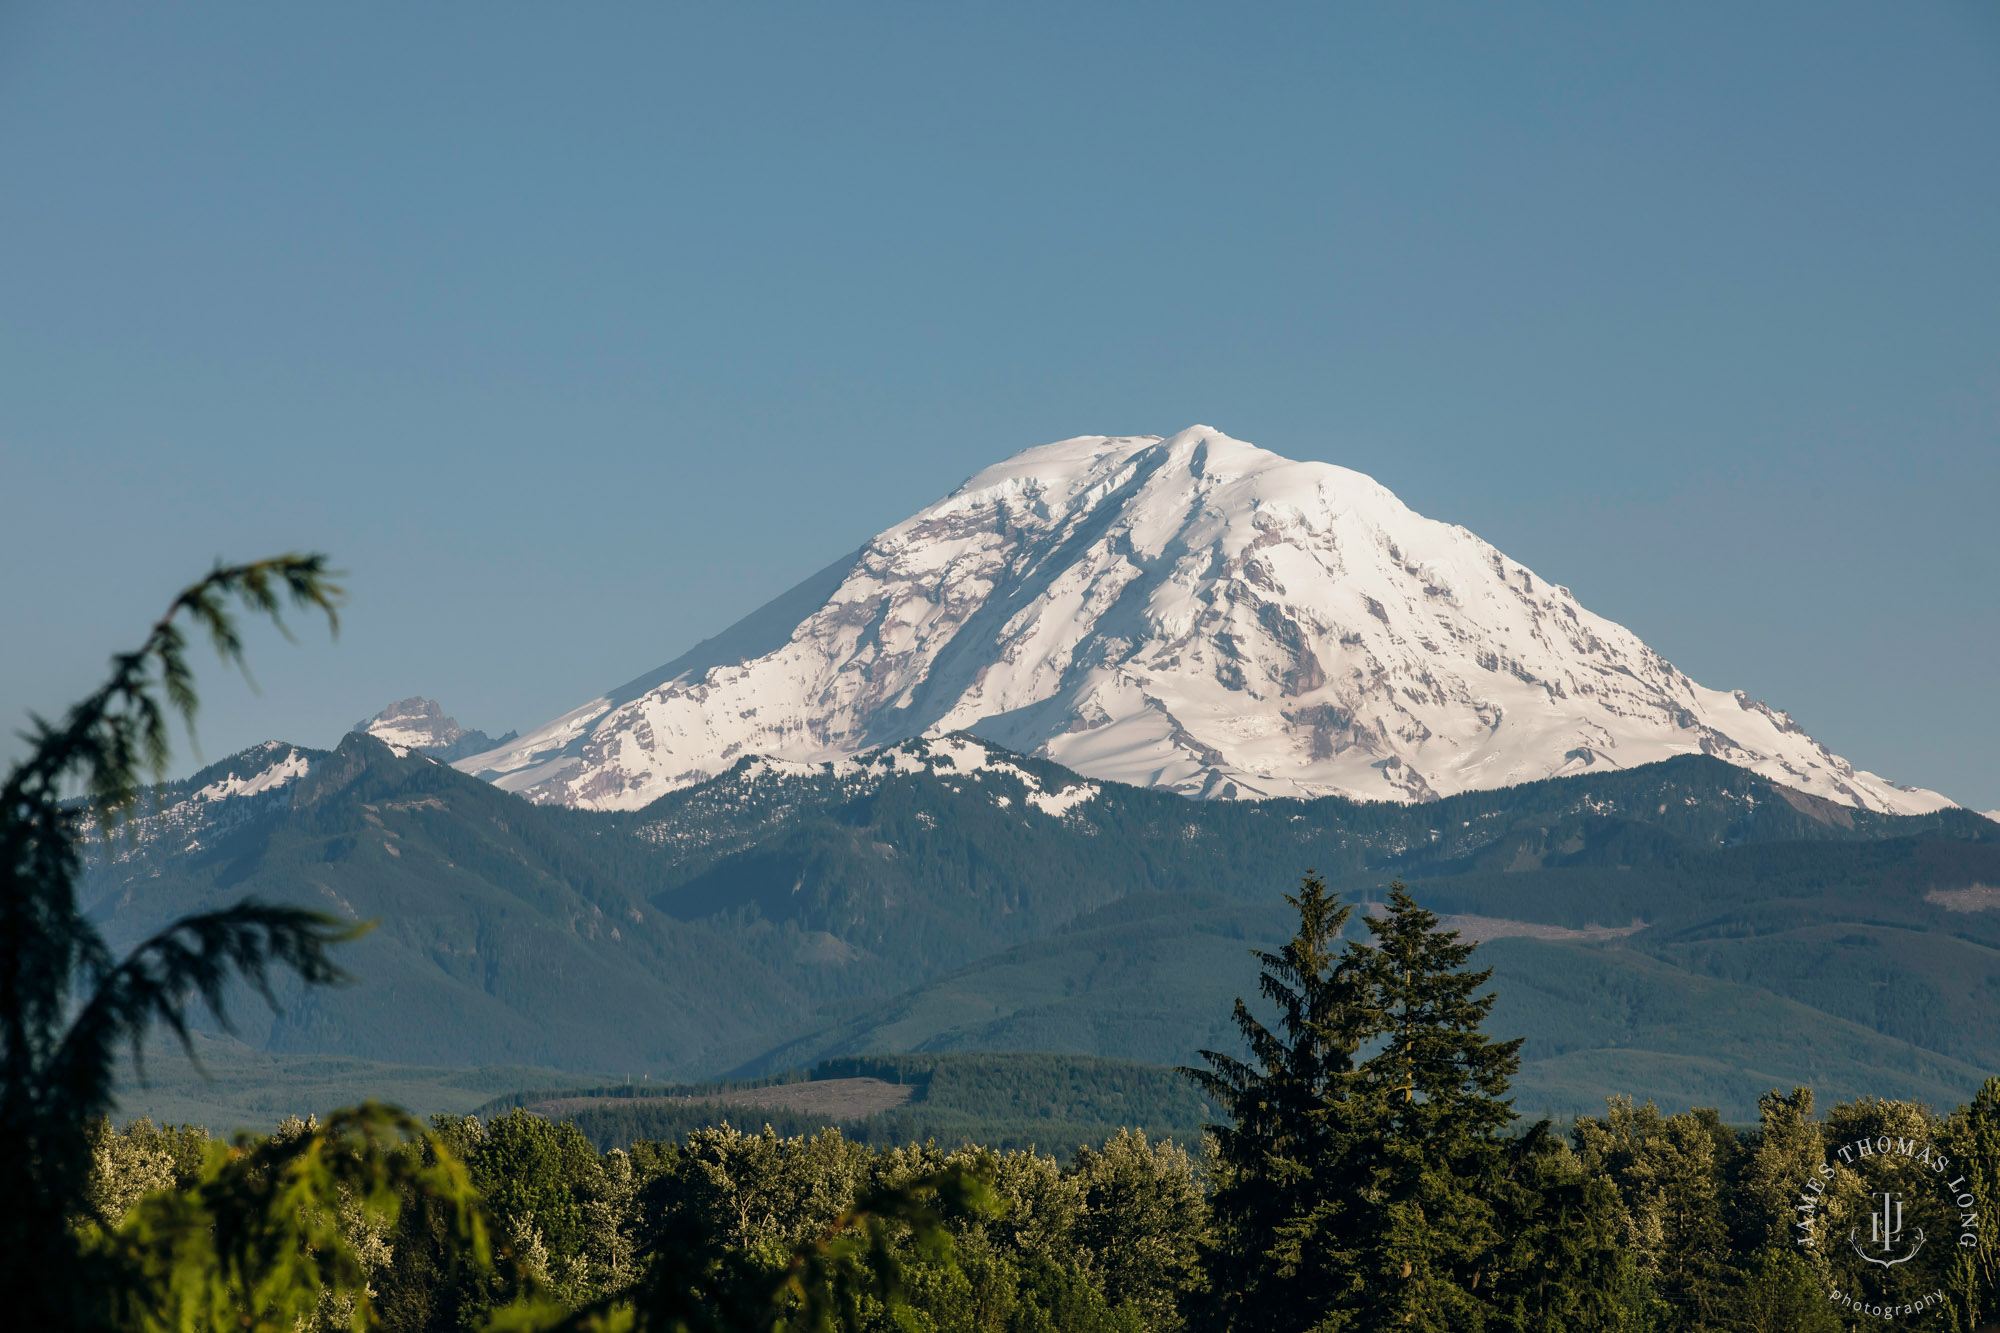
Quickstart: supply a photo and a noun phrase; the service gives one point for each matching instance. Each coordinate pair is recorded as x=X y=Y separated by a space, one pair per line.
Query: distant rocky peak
x=420 y=724
x=413 y=721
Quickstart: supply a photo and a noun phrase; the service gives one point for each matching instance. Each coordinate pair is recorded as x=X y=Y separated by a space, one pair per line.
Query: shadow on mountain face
x=764 y=921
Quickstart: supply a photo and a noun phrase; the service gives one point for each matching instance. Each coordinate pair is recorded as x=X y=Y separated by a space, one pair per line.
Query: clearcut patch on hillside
x=1972 y=898
x=1479 y=929
x=834 y=1098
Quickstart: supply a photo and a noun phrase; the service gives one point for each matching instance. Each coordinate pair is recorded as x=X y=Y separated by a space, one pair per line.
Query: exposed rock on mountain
x=420 y=724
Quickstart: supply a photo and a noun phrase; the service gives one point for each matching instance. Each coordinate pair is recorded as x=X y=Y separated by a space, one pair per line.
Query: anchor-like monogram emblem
x=1885 y=1228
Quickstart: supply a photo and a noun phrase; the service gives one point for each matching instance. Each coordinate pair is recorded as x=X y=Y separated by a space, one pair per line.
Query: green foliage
x=1844 y=1209
x=67 y=1005
x=1142 y=1216
x=1558 y=1266
x=278 y=1232
x=1671 y=1174
x=1434 y=1098
x=887 y=1244
x=128 y=1164
x=546 y=1187
x=1286 y=1167
x=740 y=1231
x=1645 y=1222
x=1787 y=1145
x=1369 y=1179
x=1972 y=1134
x=1779 y=1292
x=1057 y=1103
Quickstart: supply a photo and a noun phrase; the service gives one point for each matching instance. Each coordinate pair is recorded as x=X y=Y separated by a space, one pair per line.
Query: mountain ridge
x=922 y=896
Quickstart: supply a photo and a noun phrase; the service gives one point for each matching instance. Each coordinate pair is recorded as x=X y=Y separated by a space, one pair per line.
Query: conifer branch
x=118 y=734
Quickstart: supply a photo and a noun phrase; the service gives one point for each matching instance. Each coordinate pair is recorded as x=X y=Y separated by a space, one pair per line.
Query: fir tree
x=1286 y=1167
x=1427 y=1242
x=1560 y=1267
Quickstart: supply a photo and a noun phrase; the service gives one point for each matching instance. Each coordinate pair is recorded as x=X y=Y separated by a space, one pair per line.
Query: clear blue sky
x=574 y=332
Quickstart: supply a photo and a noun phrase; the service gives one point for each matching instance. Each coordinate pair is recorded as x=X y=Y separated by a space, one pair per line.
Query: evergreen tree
x=1388 y=1191
x=1287 y=1167
x=1559 y=1267
x=1426 y=1245
x=66 y=1004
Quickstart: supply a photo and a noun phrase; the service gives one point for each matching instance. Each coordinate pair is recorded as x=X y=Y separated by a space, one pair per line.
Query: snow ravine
x=1193 y=613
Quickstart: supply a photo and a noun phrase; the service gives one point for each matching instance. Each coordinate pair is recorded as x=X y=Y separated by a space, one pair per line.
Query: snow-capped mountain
x=186 y=814
x=1192 y=613
x=417 y=723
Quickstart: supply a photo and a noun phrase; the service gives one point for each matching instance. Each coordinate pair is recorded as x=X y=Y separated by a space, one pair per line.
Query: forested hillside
x=1835 y=965
x=1056 y=1103
x=1686 y=930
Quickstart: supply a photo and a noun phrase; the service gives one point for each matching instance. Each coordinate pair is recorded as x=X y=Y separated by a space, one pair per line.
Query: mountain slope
x=508 y=934
x=982 y=898
x=962 y=836
x=1192 y=613
x=1742 y=969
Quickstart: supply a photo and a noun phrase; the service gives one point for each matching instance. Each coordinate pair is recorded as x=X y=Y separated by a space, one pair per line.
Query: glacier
x=1189 y=612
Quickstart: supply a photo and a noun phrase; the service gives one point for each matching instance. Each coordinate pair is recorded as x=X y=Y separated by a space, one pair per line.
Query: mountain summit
x=418 y=723
x=1193 y=613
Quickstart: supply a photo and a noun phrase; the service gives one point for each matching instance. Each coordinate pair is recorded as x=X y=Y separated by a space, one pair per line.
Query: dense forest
x=1369 y=1174
x=1683 y=1217
x=1056 y=1103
